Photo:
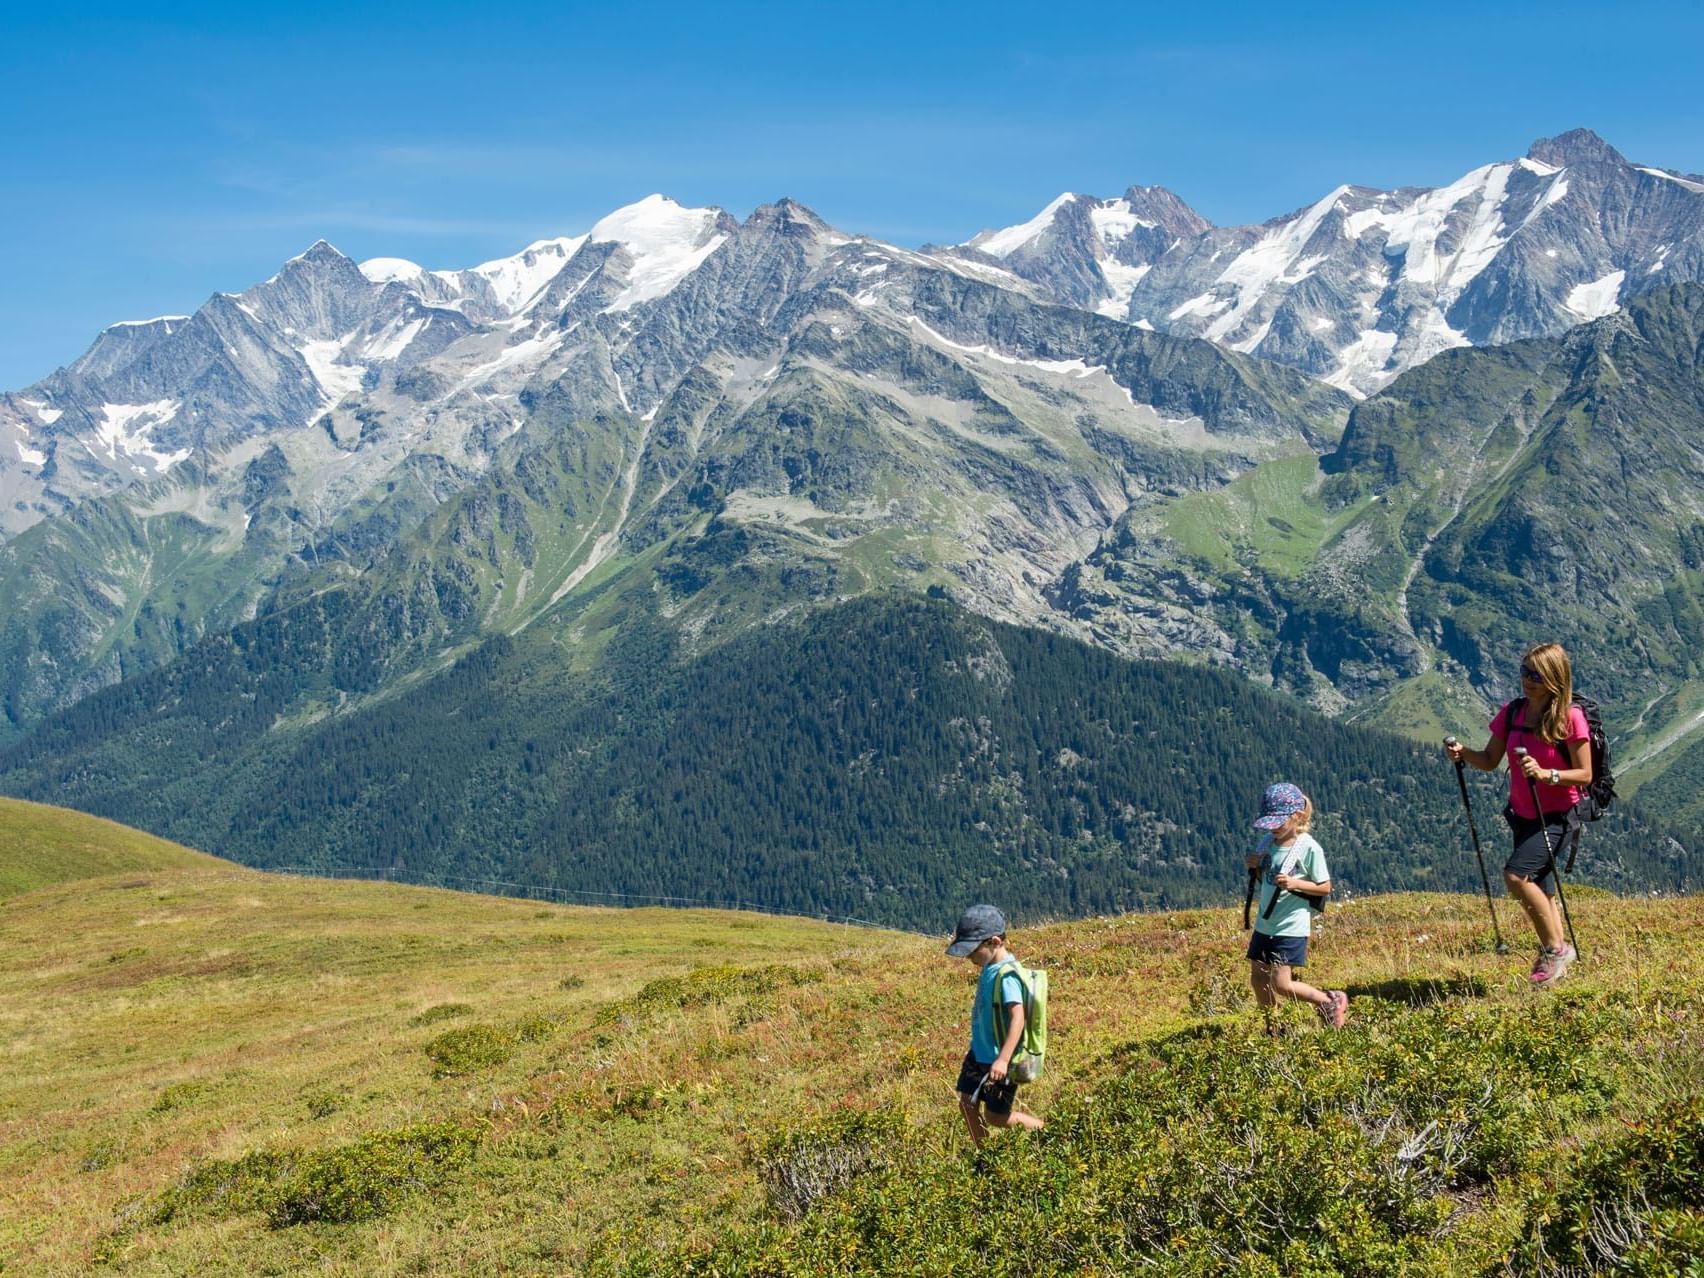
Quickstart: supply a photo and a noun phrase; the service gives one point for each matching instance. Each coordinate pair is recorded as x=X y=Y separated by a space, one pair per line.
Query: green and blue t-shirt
x=982 y=1044
x=1292 y=916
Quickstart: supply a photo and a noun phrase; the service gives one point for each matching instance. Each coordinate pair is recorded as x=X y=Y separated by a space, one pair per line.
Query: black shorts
x=1291 y=951
x=997 y=1096
x=1530 y=860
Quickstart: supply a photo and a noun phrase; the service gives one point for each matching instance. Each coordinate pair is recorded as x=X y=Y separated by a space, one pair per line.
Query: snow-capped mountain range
x=166 y=480
x=984 y=414
x=1363 y=284
x=1353 y=289
x=147 y=394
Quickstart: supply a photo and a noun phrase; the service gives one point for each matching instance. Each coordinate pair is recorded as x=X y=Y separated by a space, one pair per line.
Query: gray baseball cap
x=975 y=926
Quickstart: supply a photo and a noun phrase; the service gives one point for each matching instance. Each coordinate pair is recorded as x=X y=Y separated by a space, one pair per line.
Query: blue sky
x=155 y=155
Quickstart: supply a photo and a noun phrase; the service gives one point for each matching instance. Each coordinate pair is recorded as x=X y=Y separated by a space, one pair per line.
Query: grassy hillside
x=40 y=845
x=225 y=1072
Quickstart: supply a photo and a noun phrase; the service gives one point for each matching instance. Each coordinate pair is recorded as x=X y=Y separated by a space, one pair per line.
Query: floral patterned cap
x=1278 y=803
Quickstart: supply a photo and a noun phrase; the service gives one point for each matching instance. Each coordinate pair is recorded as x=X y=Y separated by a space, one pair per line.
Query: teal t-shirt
x=982 y=1044
x=1292 y=916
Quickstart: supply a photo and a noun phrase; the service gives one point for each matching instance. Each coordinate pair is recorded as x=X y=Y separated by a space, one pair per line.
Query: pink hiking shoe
x=1334 y=1011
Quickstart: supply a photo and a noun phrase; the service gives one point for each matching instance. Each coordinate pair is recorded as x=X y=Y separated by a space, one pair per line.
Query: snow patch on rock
x=1121 y=278
x=126 y=429
x=1673 y=177
x=1362 y=360
x=325 y=362
x=1598 y=298
x=517 y=281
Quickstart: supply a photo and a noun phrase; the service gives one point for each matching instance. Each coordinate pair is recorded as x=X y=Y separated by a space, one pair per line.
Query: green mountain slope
x=1484 y=501
x=858 y=760
x=42 y=845
x=231 y=1073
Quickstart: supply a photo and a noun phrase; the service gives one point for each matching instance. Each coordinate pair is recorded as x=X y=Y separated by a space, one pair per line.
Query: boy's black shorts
x=997 y=1096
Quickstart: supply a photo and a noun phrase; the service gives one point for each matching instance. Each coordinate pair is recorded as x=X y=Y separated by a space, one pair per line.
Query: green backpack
x=1032 y=1051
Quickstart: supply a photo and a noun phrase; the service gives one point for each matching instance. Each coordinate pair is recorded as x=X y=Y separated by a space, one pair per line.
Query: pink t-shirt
x=1548 y=755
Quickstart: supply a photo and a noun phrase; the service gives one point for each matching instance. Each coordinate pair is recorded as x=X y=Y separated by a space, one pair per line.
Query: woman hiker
x=1545 y=722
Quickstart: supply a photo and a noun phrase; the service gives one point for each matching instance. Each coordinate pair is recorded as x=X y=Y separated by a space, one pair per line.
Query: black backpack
x=1601 y=792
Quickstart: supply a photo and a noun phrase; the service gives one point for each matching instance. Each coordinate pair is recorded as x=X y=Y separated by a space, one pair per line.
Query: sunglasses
x=1531 y=675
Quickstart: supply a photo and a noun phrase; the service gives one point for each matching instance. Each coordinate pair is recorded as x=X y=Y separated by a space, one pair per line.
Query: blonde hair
x=1549 y=661
x=1306 y=815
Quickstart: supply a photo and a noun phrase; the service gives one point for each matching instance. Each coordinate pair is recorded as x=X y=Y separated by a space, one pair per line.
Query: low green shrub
x=178 y=1096
x=1632 y=1204
x=442 y=1012
x=364 y=1179
x=466 y=1051
x=704 y=985
x=101 y=1155
x=801 y=1168
x=535 y=1029
x=324 y=1102
x=1217 y=1150
x=223 y=1187
x=372 y=1176
x=1217 y=994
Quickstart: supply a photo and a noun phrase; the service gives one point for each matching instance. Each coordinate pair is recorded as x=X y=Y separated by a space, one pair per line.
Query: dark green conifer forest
x=887 y=760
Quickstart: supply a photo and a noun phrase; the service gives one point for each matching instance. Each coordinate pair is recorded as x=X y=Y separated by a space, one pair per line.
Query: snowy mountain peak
x=382 y=270
x=665 y=241
x=516 y=281
x=165 y=322
x=1003 y=243
x=655 y=223
x=320 y=250
x=1163 y=208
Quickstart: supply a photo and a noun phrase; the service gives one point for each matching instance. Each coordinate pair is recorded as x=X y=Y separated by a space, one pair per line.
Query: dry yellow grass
x=154 y=1021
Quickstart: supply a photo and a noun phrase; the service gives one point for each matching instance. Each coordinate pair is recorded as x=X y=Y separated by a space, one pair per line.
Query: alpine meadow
x=491 y=753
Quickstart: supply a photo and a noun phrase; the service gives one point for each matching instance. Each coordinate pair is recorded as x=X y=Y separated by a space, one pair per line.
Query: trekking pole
x=1461 y=780
x=1550 y=854
x=1248 y=897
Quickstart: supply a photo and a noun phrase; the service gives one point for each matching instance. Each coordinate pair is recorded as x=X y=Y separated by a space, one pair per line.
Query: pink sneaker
x=1334 y=1011
x=1551 y=964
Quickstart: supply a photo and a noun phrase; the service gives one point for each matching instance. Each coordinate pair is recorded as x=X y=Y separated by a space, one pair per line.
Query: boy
x=984 y=1092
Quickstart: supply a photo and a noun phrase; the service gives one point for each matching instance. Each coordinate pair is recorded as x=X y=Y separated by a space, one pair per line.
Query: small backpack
x=1032 y=1051
x=1601 y=792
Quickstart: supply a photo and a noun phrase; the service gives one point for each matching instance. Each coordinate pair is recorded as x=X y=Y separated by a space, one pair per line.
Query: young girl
x=1292 y=866
x=1557 y=739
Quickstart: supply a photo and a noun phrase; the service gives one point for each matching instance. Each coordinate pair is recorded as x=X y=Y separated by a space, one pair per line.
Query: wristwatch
x=1555 y=777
